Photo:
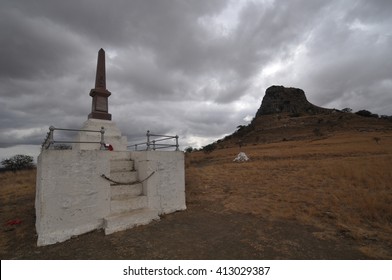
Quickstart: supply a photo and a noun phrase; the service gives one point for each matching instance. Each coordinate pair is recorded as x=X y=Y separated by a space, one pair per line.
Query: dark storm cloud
x=196 y=68
x=35 y=47
x=346 y=58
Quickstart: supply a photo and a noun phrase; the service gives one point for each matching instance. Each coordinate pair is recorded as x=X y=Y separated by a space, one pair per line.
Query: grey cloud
x=374 y=12
x=172 y=68
x=36 y=47
x=344 y=62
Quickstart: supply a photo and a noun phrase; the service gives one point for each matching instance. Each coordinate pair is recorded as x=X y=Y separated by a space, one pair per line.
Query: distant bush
x=385 y=117
x=209 y=148
x=241 y=130
x=240 y=127
x=189 y=150
x=366 y=113
x=18 y=162
x=347 y=110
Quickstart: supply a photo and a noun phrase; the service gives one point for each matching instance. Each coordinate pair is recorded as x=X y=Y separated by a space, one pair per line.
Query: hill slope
x=340 y=185
x=286 y=115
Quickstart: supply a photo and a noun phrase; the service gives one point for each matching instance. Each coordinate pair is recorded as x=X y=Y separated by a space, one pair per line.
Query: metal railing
x=50 y=141
x=154 y=144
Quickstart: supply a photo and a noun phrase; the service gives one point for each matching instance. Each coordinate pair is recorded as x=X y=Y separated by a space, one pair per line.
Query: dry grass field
x=325 y=198
x=17 y=194
x=341 y=184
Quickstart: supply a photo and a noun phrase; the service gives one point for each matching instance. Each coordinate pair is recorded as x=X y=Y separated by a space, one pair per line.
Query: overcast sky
x=193 y=68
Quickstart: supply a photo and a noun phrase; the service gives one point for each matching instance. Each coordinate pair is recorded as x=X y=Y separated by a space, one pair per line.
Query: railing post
x=51 y=136
x=148 y=140
x=177 y=143
x=102 y=142
x=153 y=145
x=45 y=143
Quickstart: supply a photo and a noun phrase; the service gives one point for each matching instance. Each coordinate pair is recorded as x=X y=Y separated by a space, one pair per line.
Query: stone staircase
x=128 y=205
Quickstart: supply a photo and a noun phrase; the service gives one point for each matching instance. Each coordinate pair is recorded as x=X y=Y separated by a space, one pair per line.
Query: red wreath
x=109 y=147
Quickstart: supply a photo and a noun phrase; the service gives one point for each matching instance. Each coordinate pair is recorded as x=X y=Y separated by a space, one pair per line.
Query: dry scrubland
x=17 y=192
x=342 y=184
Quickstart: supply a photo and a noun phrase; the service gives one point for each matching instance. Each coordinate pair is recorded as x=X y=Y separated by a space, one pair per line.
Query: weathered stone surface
x=72 y=198
x=279 y=99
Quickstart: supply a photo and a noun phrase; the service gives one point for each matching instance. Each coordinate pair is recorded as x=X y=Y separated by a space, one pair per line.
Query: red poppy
x=13 y=222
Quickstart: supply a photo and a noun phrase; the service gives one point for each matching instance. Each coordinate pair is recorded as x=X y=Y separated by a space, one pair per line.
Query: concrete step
x=119 y=192
x=128 y=204
x=124 y=177
x=121 y=165
x=123 y=155
x=143 y=216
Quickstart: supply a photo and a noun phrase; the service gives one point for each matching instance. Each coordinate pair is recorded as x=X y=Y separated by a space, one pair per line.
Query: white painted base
x=128 y=220
x=73 y=198
x=166 y=186
x=112 y=136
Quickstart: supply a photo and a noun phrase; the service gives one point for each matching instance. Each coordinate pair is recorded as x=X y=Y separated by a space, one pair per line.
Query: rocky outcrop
x=279 y=99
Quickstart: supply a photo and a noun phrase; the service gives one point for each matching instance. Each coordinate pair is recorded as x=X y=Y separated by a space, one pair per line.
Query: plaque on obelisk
x=100 y=106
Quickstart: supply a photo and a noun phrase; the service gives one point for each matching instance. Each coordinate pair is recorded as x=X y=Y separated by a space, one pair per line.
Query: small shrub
x=368 y=114
x=347 y=110
x=364 y=113
x=386 y=117
x=18 y=162
x=209 y=148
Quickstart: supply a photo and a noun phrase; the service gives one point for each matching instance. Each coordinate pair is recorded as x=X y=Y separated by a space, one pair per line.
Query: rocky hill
x=285 y=114
x=279 y=99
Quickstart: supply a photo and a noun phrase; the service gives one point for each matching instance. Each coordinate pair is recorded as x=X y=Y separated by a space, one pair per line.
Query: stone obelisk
x=100 y=94
x=99 y=117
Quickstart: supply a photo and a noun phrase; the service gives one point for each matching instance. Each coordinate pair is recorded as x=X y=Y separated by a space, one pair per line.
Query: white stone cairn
x=241 y=157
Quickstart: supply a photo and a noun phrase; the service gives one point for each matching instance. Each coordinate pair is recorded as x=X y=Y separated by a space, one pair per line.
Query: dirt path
x=197 y=233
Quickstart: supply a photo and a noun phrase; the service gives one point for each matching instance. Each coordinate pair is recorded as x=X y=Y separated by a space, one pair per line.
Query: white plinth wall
x=72 y=196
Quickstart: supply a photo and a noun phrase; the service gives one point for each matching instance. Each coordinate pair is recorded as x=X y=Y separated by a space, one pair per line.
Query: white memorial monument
x=99 y=183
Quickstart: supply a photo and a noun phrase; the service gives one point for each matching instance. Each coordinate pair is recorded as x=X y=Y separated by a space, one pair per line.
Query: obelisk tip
x=100 y=80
